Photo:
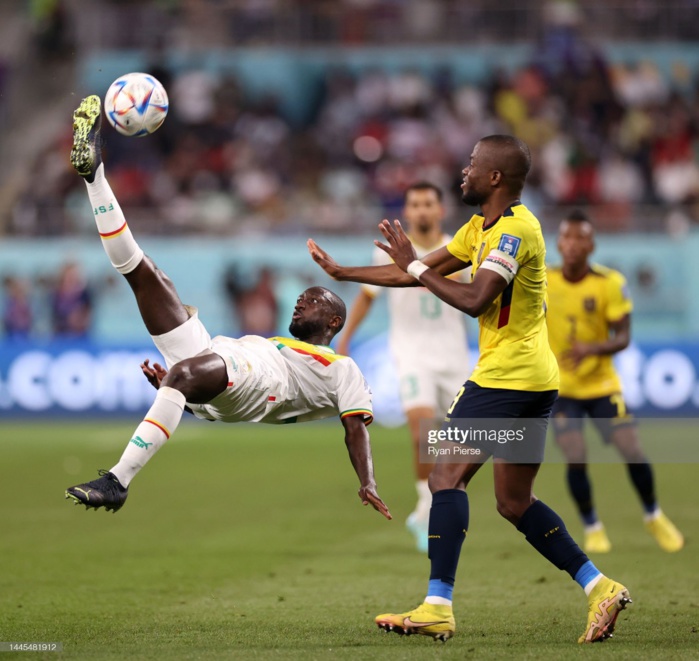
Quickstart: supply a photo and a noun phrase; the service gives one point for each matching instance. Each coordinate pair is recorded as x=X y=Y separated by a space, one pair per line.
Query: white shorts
x=185 y=341
x=422 y=387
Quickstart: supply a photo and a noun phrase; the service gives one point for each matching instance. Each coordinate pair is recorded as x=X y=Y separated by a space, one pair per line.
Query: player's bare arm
x=390 y=275
x=619 y=338
x=359 y=310
x=471 y=298
x=359 y=448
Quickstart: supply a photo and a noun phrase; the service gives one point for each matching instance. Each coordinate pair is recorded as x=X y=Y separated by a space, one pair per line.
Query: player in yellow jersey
x=418 y=319
x=515 y=381
x=589 y=320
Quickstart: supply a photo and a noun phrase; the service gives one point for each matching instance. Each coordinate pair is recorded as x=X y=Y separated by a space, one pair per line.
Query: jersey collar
x=505 y=213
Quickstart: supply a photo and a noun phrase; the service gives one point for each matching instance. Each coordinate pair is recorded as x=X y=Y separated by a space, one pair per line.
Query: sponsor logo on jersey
x=480 y=253
x=509 y=244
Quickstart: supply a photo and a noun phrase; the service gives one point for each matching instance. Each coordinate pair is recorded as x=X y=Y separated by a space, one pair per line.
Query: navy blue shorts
x=607 y=414
x=506 y=424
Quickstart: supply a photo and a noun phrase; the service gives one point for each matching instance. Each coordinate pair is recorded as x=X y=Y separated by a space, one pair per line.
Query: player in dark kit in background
x=516 y=377
x=276 y=380
x=589 y=320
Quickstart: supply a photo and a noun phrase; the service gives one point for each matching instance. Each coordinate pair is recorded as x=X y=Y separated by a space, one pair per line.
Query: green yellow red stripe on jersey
x=324 y=355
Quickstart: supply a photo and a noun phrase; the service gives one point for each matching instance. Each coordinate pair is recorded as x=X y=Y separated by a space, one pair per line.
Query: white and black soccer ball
x=136 y=104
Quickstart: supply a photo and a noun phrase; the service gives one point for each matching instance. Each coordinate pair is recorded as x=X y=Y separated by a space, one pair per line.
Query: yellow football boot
x=596 y=540
x=668 y=537
x=426 y=620
x=607 y=599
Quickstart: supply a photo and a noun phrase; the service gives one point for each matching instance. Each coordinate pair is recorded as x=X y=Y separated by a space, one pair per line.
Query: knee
x=179 y=377
x=440 y=480
x=512 y=509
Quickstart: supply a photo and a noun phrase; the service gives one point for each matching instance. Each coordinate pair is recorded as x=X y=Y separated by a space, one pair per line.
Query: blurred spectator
x=227 y=162
x=255 y=304
x=17 y=314
x=71 y=303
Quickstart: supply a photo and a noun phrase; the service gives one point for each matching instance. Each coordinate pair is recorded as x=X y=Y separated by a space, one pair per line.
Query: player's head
x=422 y=207
x=318 y=313
x=498 y=163
x=576 y=239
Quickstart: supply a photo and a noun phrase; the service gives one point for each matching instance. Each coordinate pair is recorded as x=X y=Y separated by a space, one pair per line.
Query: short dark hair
x=335 y=303
x=513 y=159
x=577 y=216
x=423 y=185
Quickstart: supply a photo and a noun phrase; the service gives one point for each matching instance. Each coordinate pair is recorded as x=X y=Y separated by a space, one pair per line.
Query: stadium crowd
x=618 y=137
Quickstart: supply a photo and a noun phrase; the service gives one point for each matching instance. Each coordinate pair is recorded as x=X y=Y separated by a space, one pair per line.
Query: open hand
x=325 y=261
x=399 y=248
x=154 y=374
x=369 y=496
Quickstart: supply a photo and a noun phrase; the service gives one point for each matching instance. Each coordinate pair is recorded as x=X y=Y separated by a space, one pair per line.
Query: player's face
x=422 y=211
x=475 y=188
x=312 y=313
x=575 y=242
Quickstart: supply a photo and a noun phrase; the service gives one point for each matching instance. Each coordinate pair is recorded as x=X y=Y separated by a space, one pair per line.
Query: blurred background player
x=278 y=380
x=589 y=320
x=427 y=339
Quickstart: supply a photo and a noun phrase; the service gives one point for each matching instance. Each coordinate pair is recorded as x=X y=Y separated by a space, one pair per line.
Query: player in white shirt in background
x=427 y=339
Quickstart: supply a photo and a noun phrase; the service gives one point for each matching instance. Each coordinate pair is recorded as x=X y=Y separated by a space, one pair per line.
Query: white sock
x=158 y=425
x=118 y=242
x=438 y=601
x=424 y=501
x=652 y=515
x=592 y=583
x=594 y=527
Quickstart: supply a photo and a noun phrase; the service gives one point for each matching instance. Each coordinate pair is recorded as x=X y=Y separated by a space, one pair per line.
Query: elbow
x=474 y=308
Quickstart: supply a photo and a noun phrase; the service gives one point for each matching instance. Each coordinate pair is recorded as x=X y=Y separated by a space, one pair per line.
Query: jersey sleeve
x=378 y=258
x=619 y=301
x=511 y=245
x=459 y=245
x=353 y=392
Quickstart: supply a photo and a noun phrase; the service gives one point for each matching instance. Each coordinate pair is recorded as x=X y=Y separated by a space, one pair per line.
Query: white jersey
x=282 y=380
x=423 y=328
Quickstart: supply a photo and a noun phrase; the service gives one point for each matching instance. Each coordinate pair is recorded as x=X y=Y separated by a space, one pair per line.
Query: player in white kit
x=427 y=339
x=277 y=380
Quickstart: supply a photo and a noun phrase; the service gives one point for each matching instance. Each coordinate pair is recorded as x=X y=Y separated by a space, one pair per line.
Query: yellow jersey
x=581 y=312
x=513 y=339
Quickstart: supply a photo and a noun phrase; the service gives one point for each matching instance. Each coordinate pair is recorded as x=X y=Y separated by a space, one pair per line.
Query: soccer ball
x=136 y=104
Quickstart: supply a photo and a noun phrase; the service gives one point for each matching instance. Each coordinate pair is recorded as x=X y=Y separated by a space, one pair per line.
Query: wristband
x=416 y=268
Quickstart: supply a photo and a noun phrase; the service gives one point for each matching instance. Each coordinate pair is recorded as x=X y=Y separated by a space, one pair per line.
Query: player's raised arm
x=390 y=275
x=359 y=448
x=472 y=298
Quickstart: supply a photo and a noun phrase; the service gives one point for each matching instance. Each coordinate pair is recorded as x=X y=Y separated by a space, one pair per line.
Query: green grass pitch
x=249 y=542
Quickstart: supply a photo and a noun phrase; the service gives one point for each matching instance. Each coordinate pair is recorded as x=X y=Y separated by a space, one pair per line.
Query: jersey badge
x=589 y=304
x=509 y=244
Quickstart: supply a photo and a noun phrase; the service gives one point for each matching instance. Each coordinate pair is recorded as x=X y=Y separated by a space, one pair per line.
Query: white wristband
x=416 y=268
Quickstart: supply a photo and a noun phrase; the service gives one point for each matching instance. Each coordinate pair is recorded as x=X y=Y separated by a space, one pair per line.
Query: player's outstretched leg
x=158 y=302
x=448 y=524
x=197 y=380
x=106 y=491
x=547 y=533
